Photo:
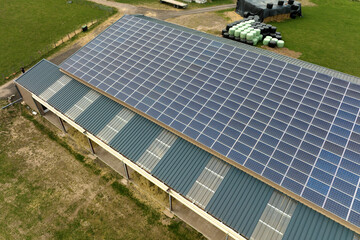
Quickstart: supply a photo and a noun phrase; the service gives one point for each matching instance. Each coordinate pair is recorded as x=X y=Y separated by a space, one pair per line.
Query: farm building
x=260 y=145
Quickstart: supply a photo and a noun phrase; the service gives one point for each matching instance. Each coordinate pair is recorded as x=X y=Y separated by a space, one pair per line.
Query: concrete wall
x=27 y=97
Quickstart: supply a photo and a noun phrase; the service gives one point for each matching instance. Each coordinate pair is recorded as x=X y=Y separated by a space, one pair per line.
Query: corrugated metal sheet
x=55 y=87
x=356 y=237
x=115 y=125
x=40 y=77
x=135 y=137
x=68 y=96
x=208 y=182
x=239 y=201
x=152 y=156
x=275 y=218
x=94 y=122
x=82 y=104
x=181 y=165
x=311 y=225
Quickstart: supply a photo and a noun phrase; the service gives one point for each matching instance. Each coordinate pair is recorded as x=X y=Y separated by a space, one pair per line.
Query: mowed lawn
x=328 y=35
x=27 y=27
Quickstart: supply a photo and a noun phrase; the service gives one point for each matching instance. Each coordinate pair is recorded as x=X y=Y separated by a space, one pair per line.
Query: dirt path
x=122 y=7
x=199 y=10
x=7 y=90
x=157 y=13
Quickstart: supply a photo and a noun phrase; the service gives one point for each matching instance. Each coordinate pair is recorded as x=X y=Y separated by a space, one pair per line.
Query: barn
x=260 y=145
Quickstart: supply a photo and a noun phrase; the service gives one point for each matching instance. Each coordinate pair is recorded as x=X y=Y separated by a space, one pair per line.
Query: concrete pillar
x=91 y=146
x=62 y=125
x=39 y=107
x=170 y=203
x=126 y=171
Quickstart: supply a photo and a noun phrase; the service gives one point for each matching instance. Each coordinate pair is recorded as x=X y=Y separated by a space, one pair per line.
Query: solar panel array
x=298 y=128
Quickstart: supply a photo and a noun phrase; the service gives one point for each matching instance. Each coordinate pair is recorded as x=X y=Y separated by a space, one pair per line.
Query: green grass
x=29 y=28
x=51 y=135
x=46 y=194
x=328 y=35
x=153 y=216
x=157 y=4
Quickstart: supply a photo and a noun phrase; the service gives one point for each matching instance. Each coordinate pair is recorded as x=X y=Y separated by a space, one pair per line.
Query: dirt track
x=160 y=14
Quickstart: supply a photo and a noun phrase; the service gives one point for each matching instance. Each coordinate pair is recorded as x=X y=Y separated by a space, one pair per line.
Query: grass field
x=28 y=27
x=49 y=191
x=328 y=35
x=157 y=4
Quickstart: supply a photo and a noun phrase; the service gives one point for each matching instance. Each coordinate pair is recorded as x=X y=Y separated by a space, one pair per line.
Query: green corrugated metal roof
x=46 y=72
x=93 y=122
x=64 y=99
x=311 y=225
x=181 y=165
x=240 y=199
x=135 y=137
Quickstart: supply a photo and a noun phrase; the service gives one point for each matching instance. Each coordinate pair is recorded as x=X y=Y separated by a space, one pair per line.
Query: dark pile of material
x=252 y=31
x=268 y=8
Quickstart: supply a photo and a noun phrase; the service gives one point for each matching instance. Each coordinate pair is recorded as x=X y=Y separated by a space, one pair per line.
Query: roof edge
x=36 y=64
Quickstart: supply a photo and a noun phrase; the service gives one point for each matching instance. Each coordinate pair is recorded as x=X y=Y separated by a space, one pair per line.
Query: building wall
x=26 y=95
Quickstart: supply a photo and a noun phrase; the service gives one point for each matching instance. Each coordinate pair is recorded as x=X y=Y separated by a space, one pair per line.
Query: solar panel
x=294 y=126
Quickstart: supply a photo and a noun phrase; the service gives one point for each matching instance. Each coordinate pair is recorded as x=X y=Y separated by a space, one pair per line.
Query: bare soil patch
x=205 y=22
x=283 y=51
x=233 y=16
x=305 y=3
x=159 y=6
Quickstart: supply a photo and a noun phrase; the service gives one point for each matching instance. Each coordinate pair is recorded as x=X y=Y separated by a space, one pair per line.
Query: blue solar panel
x=292 y=125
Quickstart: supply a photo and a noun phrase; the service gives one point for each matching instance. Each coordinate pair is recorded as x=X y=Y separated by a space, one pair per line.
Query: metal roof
x=231 y=202
x=181 y=165
x=44 y=70
x=239 y=199
x=246 y=108
x=310 y=225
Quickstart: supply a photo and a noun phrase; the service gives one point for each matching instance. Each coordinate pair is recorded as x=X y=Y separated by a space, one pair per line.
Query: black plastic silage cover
x=258 y=7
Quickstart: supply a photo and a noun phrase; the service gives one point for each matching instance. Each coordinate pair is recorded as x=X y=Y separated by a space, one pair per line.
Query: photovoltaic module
x=292 y=125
